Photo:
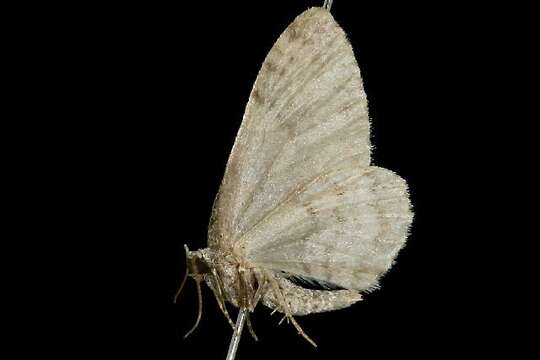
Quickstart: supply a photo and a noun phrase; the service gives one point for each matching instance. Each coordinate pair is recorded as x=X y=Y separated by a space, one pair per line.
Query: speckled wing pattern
x=299 y=194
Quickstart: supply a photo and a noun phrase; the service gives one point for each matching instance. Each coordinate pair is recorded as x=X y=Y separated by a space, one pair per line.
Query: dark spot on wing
x=270 y=66
x=257 y=96
x=293 y=32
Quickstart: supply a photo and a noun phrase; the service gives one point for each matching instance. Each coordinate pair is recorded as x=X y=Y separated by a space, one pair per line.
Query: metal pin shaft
x=235 y=340
x=327 y=4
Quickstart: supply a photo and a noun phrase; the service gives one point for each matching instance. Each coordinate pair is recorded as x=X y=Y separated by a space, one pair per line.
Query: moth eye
x=198 y=265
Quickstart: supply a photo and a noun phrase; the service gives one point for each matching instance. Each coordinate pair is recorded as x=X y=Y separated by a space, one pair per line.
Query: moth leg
x=259 y=293
x=285 y=306
x=220 y=298
x=250 y=327
x=245 y=291
x=300 y=331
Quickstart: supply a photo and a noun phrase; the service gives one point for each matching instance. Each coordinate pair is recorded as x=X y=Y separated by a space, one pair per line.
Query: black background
x=156 y=95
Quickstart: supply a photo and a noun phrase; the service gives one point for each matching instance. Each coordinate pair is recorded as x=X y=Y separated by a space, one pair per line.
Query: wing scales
x=344 y=229
x=307 y=113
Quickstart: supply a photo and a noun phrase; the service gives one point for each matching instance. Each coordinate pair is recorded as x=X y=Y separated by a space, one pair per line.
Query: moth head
x=196 y=264
x=196 y=267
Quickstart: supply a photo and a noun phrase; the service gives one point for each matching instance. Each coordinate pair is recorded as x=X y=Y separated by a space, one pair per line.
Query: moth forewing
x=306 y=115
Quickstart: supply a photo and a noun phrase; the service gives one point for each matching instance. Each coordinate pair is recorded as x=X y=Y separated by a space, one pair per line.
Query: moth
x=299 y=199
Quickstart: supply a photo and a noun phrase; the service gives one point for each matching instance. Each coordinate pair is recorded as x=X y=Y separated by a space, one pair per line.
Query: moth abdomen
x=302 y=301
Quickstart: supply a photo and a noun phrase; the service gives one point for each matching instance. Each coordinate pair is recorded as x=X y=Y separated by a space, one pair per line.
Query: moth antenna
x=199 y=314
x=181 y=286
x=184 y=279
x=327 y=4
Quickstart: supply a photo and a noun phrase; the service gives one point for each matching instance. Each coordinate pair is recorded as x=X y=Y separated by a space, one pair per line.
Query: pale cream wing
x=345 y=227
x=307 y=113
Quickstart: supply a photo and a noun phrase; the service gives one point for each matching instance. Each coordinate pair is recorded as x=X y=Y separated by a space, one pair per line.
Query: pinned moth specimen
x=300 y=198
